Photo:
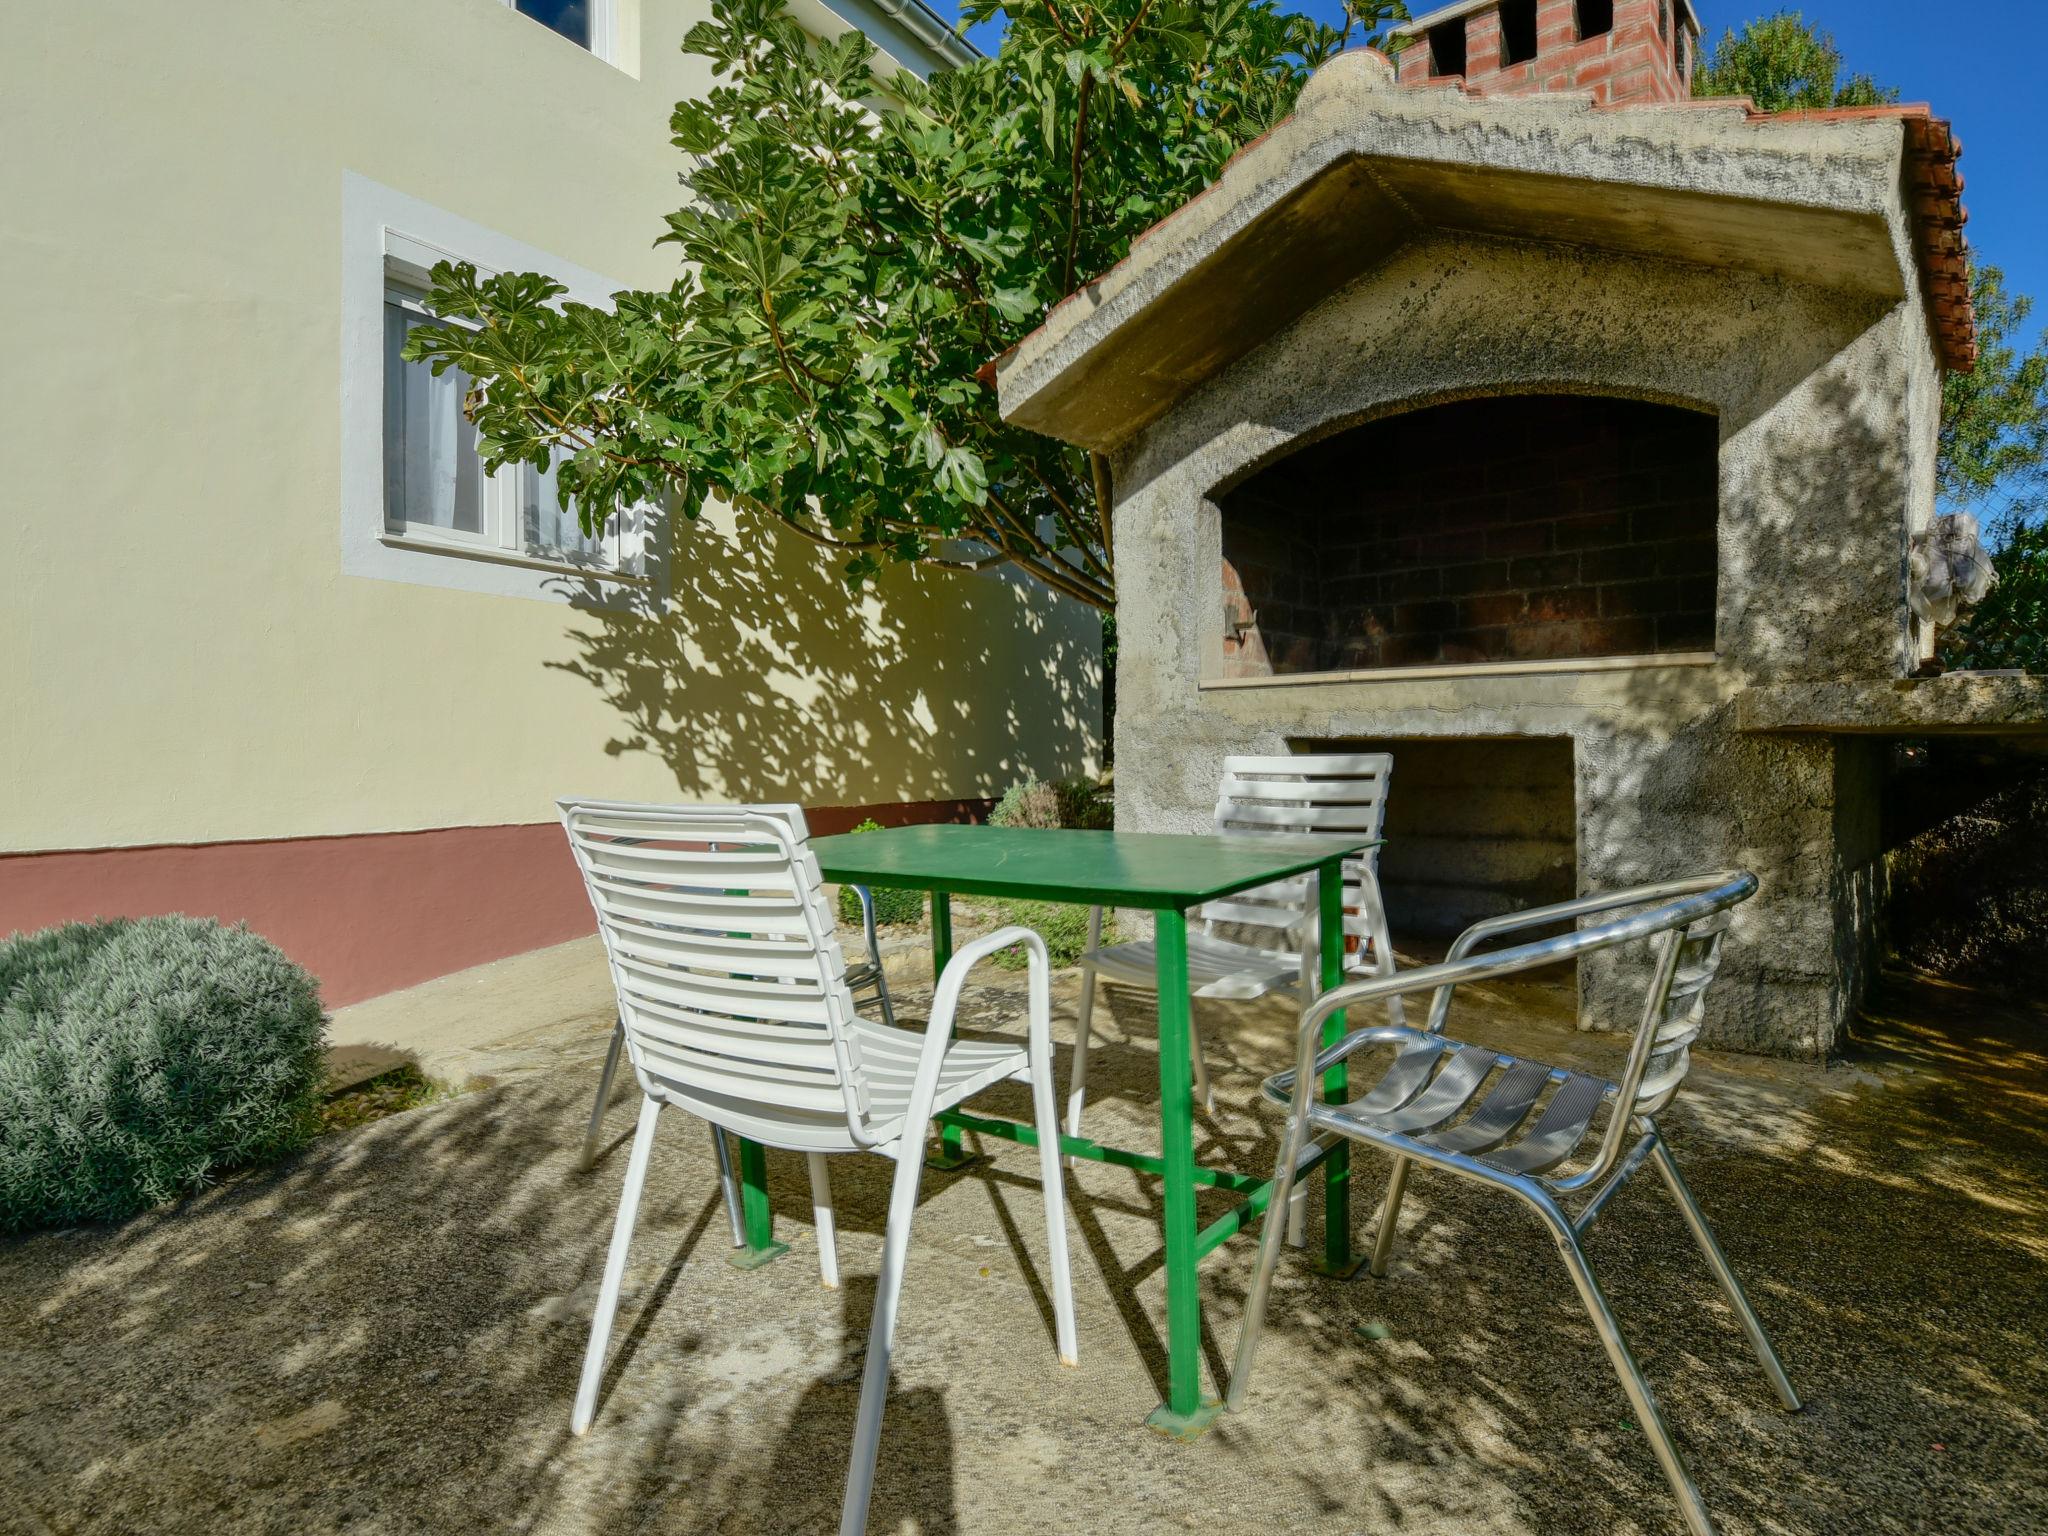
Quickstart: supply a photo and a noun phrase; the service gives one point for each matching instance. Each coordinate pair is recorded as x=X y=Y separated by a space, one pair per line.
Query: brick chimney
x=1623 y=51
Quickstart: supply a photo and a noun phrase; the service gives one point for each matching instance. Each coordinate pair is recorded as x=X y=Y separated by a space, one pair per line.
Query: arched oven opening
x=1503 y=530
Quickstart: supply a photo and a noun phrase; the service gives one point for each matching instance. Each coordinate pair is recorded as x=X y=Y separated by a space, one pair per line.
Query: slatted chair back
x=1324 y=793
x=732 y=986
x=1672 y=1021
x=1685 y=932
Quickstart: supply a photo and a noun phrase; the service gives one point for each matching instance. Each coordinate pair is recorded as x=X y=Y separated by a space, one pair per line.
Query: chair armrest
x=1583 y=906
x=1593 y=905
x=1283 y=1082
x=1679 y=903
x=946 y=1003
x=946 y=1000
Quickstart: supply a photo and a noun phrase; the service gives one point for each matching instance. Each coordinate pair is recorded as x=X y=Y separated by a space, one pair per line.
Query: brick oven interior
x=1476 y=826
x=1507 y=529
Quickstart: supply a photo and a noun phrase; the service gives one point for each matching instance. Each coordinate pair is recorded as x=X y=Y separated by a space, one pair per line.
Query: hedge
x=141 y=1058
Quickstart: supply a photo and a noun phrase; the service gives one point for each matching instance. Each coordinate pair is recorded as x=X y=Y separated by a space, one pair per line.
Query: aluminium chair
x=864 y=978
x=1311 y=793
x=1545 y=1135
x=735 y=1007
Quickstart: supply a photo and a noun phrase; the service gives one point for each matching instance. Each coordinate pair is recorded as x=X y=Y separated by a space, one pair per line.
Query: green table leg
x=1338 y=1259
x=1185 y=1413
x=757 y=1215
x=942 y=932
x=952 y=1152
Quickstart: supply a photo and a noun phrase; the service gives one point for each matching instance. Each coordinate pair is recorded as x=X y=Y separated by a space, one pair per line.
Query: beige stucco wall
x=185 y=659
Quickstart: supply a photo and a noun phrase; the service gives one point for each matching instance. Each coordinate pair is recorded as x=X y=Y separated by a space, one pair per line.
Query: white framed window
x=591 y=24
x=417 y=504
x=435 y=487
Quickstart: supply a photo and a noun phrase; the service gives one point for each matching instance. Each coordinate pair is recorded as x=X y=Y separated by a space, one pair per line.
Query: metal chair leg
x=614 y=1269
x=730 y=1187
x=1381 y=938
x=1759 y=1341
x=1272 y=1235
x=604 y=1094
x=821 y=1213
x=1204 y=1093
x=1390 y=1217
x=1084 y=1030
x=866 y=898
x=1641 y=1399
x=1045 y=1112
x=874 y=1387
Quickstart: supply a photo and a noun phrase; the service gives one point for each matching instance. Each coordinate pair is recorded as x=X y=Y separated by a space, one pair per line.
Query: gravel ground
x=383 y=1334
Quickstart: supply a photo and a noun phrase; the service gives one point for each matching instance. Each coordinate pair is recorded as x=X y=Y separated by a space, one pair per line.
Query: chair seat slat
x=1448 y=1093
x=1558 y=1130
x=1504 y=1109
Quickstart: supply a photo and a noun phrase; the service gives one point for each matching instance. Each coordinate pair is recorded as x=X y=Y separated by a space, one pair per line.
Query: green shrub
x=1029 y=804
x=1063 y=927
x=138 y=1058
x=892 y=906
x=1072 y=803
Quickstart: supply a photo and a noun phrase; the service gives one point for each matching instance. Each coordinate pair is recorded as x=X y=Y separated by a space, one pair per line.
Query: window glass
x=436 y=488
x=549 y=528
x=432 y=475
x=571 y=18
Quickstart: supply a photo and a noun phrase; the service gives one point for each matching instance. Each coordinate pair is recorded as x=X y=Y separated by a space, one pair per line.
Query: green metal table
x=1166 y=875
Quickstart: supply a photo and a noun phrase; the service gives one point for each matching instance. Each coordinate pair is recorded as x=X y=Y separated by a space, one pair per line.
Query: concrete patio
x=382 y=1335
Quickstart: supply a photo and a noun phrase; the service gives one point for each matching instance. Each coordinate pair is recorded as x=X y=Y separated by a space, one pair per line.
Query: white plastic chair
x=733 y=997
x=1313 y=793
x=1546 y=1135
x=863 y=978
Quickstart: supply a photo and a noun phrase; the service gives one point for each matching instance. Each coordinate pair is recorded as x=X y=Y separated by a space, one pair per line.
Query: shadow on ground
x=383 y=1335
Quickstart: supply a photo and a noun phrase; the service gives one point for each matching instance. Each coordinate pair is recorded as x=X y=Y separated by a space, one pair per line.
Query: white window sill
x=1566 y=665
x=422 y=543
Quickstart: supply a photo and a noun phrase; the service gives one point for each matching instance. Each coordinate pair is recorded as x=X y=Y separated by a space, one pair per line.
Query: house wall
x=189 y=663
x=1824 y=452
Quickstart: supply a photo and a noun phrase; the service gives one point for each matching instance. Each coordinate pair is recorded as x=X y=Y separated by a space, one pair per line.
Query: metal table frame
x=1139 y=871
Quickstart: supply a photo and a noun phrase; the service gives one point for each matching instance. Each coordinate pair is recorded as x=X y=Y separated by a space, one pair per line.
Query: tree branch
x=1105 y=505
x=1074 y=209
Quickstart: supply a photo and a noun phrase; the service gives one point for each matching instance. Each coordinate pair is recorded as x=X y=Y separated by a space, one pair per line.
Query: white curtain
x=551 y=528
x=432 y=475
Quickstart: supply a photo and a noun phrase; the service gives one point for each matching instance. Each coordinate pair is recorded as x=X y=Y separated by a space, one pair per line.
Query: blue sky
x=1977 y=61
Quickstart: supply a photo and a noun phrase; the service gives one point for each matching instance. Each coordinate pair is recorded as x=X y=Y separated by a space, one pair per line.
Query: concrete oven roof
x=1865 y=200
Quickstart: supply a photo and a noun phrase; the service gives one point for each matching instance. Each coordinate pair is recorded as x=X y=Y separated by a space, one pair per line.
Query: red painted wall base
x=366 y=914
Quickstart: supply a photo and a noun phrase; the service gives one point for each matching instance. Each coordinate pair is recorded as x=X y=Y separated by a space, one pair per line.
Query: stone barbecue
x=1564 y=436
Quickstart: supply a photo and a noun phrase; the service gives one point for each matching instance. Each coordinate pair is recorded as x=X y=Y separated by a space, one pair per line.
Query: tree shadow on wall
x=753 y=673
x=1812 y=579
